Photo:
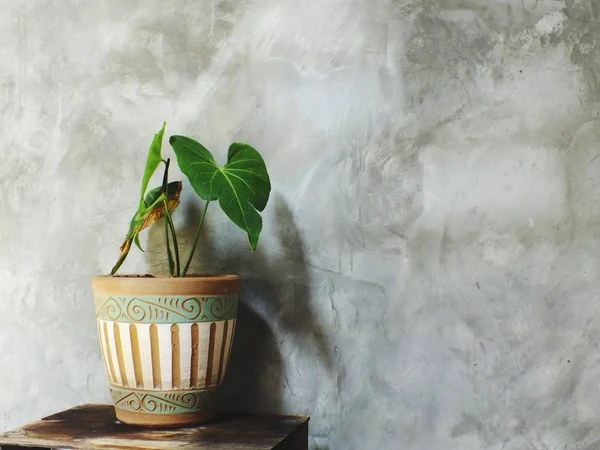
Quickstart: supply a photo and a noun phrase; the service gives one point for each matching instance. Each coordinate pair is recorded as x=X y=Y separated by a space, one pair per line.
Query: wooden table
x=95 y=427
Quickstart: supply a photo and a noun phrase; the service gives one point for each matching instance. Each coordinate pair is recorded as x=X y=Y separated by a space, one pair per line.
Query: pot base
x=140 y=419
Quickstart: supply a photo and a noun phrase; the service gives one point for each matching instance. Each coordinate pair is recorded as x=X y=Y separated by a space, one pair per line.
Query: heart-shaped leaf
x=242 y=186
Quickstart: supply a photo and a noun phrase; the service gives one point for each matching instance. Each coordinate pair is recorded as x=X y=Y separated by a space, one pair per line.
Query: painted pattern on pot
x=166 y=309
x=164 y=402
x=166 y=354
x=182 y=356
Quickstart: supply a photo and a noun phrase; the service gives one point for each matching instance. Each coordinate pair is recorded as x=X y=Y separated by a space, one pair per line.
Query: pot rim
x=163 y=285
x=148 y=276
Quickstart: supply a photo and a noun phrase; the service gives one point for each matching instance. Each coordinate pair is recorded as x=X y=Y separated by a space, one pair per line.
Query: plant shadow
x=275 y=315
x=275 y=319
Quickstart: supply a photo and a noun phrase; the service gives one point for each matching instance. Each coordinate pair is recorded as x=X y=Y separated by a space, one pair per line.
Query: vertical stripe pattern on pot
x=182 y=356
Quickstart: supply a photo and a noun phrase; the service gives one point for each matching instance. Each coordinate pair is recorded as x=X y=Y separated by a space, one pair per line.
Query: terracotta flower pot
x=166 y=344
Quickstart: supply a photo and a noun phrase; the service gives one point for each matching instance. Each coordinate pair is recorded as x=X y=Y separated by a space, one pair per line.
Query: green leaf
x=153 y=161
x=146 y=213
x=242 y=186
x=136 y=241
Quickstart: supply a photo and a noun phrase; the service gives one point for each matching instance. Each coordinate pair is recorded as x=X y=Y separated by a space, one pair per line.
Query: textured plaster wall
x=428 y=276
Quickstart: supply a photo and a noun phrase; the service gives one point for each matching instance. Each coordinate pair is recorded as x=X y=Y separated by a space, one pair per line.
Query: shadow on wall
x=275 y=306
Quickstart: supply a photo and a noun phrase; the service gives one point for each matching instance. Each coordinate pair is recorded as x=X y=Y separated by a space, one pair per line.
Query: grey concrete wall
x=428 y=274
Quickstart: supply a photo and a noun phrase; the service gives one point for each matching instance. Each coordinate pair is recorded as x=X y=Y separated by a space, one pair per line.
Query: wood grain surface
x=96 y=427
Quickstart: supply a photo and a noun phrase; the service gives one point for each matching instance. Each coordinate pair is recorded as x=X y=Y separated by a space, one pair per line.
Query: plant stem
x=169 y=222
x=189 y=261
x=174 y=236
x=165 y=181
x=169 y=254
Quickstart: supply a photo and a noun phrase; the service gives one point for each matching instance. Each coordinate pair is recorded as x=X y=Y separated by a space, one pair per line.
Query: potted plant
x=166 y=341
